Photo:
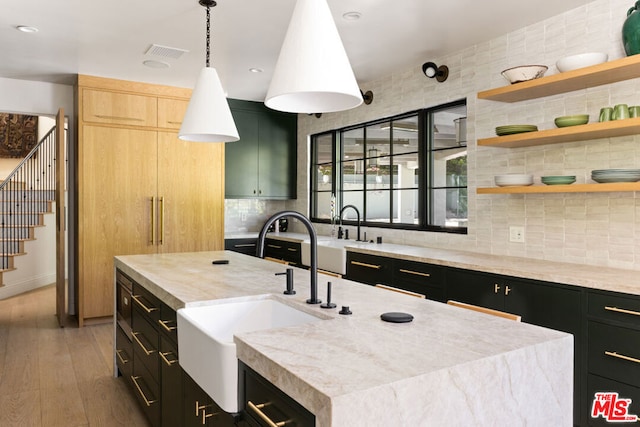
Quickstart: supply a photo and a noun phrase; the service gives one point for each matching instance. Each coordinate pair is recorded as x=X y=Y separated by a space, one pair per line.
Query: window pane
x=323 y=149
x=406 y=171
x=405 y=135
x=449 y=168
x=353 y=144
x=378 y=206
x=448 y=128
x=324 y=177
x=449 y=207
x=353 y=175
x=354 y=198
x=322 y=203
x=405 y=205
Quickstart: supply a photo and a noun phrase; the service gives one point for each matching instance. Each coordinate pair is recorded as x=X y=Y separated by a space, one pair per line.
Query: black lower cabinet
x=419 y=277
x=200 y=410
x=264 y=405
x=284 y=250
x=369 y=269
x=245 y=246
x=613 y=359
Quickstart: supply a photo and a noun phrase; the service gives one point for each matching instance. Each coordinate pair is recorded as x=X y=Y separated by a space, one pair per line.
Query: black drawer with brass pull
x=265 y=405
x=370 y=269
x=425 y=279
x=614 y=352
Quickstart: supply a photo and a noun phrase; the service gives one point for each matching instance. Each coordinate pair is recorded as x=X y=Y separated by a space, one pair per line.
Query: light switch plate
x=516 y=234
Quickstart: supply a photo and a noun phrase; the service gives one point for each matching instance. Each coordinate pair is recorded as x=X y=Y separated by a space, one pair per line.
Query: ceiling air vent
x=165 y=51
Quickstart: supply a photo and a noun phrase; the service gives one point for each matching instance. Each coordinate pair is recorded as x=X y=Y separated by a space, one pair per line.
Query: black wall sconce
x=431 y=70
x=367 y=96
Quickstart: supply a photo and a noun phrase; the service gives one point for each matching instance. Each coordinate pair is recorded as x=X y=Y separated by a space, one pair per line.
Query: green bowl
x=558 y=180
x=578 y=119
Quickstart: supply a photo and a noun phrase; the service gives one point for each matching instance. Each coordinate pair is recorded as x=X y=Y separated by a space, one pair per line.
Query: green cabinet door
x=241 y=158
x=262 y=164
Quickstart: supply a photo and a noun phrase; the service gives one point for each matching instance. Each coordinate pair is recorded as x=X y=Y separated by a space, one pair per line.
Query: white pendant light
x=208 y=117
x=313 y=73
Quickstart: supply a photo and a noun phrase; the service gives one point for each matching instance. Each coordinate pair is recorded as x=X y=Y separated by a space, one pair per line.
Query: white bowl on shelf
x=513 y=179
x=581 y=60
x=523 y=73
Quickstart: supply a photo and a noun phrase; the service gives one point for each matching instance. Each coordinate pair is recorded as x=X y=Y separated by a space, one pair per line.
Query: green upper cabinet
x=262 y=164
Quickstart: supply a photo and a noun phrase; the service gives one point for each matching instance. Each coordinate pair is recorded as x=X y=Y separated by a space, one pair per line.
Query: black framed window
x=408 y=171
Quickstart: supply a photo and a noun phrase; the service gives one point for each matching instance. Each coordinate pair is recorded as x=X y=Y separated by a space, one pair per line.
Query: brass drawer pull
x=507 y=290
x=146 y=401
x=153 y=221
x=245 y=245
x=292 y=249
x=274 y=246
x=257 y=409
x=415 y=273
x=147 y=352
x=136 y=298
x=122 y=359
x=104 y=116
x=622 y=310
x=363 y=264
x=167 y=361
x=163 y=323
x=496 y=288
x=622 y=356
x=205 y=416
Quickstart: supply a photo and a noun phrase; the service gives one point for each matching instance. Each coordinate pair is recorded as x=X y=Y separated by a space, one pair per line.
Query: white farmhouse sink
x=205 y=340
x=331 y=254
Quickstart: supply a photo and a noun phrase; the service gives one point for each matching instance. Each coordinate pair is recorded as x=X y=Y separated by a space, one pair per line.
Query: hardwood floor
x=52 y=376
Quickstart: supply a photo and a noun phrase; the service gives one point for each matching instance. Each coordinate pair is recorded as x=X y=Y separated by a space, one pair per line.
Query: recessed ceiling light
x=152 y=63
x=351 y=16
x=26 y=29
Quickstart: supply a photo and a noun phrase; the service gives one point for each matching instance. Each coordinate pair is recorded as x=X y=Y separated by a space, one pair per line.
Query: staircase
x=26 y=196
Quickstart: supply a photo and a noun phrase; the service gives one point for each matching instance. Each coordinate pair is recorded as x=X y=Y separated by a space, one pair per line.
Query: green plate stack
x=558 y=179
x=512 y=129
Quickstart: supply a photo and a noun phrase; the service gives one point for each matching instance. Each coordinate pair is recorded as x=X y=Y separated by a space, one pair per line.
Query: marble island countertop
x=588 y=276
x=449 y=366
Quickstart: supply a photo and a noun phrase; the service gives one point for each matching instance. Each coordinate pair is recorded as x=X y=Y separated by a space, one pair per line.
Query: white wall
x=30 y=97
x=586 y=228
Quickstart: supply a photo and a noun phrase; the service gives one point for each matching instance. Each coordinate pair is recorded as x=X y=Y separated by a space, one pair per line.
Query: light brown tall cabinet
x=140 y=189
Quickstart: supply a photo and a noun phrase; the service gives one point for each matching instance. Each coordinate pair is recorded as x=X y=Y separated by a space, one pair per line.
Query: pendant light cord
x=208 y=35
x=208 y=4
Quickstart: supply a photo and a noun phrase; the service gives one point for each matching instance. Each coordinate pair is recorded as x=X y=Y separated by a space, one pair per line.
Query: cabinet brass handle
x=496 y=288
x=205 y=416
x=199 y=407
x=415 y=273
x=147 y=352
x=173 y=122
x=161 y=209
x=245 y=245
x=146 y=401
x=292 y=249
x=164 y=323
x=153 y=221
x=104 y=116
x=622 y=310
x=136 y=298
x=622 y=356
x=257 y=409
x=274 y=246
x=507 y=290
x=122 y=359
x=167 y=361
x=363 y=264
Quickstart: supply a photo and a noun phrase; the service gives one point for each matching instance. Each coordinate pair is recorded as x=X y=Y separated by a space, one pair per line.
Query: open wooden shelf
x=609 y=72
x=567 y=134
x=572 y=188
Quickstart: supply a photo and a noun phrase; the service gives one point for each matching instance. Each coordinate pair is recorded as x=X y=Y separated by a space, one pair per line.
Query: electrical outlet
x=516 y=234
